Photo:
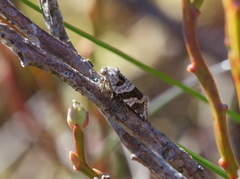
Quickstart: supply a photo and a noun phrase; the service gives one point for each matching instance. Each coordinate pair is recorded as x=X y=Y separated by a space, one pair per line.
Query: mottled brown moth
x=129 y=93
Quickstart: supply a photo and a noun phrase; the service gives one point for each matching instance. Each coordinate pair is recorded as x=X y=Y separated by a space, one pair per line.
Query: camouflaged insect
x=126 y=91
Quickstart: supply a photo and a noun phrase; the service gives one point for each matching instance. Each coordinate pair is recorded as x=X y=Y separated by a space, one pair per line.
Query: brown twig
x=41 y=38
x=54 y=21
x=144 y=155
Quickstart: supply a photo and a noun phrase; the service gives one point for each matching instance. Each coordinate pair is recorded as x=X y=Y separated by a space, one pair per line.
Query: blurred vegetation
x=34 y=136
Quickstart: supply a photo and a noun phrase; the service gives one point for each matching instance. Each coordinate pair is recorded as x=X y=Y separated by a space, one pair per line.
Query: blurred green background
x=34 y=137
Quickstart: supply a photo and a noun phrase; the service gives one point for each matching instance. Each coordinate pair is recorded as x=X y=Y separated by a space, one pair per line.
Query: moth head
x=110 y=73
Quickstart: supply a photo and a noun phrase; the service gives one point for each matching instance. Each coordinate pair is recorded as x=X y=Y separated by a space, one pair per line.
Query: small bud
x=74 y=160
x=222 y=163
x=191 y=68
x=77 y=115
x=224 y=107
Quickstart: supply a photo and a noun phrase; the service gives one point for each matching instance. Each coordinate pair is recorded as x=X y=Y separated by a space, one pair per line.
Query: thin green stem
x=200 y=69
x=79 y=149
x=232 y=28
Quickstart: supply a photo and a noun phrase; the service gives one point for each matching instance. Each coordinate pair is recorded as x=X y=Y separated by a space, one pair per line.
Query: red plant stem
x=79 y=149
x=232 y=28
x=200 y=69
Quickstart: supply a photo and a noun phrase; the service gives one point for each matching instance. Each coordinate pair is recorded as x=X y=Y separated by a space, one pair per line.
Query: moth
x=128 y=93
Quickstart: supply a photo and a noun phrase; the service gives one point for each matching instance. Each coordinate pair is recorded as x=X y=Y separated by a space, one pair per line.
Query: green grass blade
x=206 y=163
x=32 y=5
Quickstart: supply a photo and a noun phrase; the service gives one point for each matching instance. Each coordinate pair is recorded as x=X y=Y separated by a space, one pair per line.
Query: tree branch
x=54 y=21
